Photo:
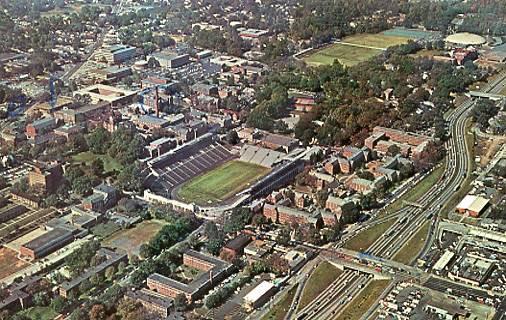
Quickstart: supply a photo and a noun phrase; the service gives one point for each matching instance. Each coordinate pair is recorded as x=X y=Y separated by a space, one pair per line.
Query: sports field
x=130 y=240
x=354 y=49
x=221 y=183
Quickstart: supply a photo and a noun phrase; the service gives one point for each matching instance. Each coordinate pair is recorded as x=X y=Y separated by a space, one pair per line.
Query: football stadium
x=206 y=172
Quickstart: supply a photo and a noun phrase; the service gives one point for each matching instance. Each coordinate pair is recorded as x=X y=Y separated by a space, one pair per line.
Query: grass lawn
x=366 y=238
x=104 y=230
x=350 y=55
x=503 y=91
x=280 y=309
x=222 y=182
x=364 y=300
x=413 y=246
x=39 y=313
x=319 y=280
x=87 y=157
x=378 y=40
x=346 y=54
x=416 y=192
x=131 y=239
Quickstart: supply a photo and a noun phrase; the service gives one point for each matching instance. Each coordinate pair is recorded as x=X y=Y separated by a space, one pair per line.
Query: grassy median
x=417 y=191
x=366 y=298
x=366 y=238
x=280 y=309
x=319 y=280
x=413 y=246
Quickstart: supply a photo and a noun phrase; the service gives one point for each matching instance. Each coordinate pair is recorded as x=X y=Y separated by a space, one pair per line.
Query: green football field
x=354 y=49
x=221 y=183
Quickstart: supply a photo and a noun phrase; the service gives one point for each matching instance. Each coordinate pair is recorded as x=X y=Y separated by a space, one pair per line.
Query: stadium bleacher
x=186 y=164
x=261 y=156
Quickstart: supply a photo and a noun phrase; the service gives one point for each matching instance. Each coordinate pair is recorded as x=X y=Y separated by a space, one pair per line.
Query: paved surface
x=457 y=167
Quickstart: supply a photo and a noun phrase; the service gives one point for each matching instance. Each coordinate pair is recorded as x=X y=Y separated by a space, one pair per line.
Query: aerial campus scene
x=252 y=159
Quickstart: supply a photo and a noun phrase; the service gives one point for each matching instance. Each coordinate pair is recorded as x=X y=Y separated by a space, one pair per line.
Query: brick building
x=46 y=176
x=286 y=215
x=235 y=247
x=152 y=301
x=213 y=270
x=346 y=209
x=40 y=127
x=47 y=243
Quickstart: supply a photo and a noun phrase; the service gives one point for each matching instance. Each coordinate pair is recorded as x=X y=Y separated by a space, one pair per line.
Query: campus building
x=116 y=53
x=286 y=215
x=46 y=177
x=108 y=257
x=213 y=270
x=152 y=301
x=47 y=243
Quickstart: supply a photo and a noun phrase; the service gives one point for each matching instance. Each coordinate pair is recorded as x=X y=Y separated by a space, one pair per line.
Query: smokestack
x=211 y=276
x=156 y=102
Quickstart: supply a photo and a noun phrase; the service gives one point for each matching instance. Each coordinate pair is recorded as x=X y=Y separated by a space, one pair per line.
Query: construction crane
x=52 y=91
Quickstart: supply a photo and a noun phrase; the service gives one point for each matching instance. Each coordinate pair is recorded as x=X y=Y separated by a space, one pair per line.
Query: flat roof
x=472 y=203
x=48 y=239
x=443 y=260
x=259 y=291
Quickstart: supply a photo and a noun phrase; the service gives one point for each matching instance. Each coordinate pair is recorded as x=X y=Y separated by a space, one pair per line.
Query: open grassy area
x=364 y=300
x=416 y=192
x=319 y=280
x=278 y=312
x=413 y=246
x=350 y=52
x=366 y=238
x=103 y=230
x=503 y=91
x=345 y=54
x=39 y=313
x=9 y=263
x=87 y=157
x=222 y=182
x=130 y=240
x=378 y=40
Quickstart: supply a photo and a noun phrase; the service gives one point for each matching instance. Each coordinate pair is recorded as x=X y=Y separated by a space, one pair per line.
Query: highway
x=410 y=219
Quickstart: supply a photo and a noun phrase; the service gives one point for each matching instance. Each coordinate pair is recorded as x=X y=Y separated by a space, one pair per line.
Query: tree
x=110 y=272
x=41 y=299
x=180 y=302
x=58 y=304
x=237 y=219
x=131 y=177
x=79 y=314
x=97 y=312
x=98 y=141
x=232 y=137
x=96 y=279
x=482 y=111
x=215 y=238
x=97 y=167
x=122 y=267
x=85 y=286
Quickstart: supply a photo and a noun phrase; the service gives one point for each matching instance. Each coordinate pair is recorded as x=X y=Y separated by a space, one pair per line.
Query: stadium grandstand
x=280 y=175
x=185 y=162
x=261 y=156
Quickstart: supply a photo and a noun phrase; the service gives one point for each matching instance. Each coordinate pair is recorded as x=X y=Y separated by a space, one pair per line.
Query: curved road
x=330 y=302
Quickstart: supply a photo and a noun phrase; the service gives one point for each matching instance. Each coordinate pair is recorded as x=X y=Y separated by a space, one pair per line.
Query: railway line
x=409 y=219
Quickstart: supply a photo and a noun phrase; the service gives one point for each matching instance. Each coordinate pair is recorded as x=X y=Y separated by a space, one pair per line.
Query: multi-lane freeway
x=410 y=219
